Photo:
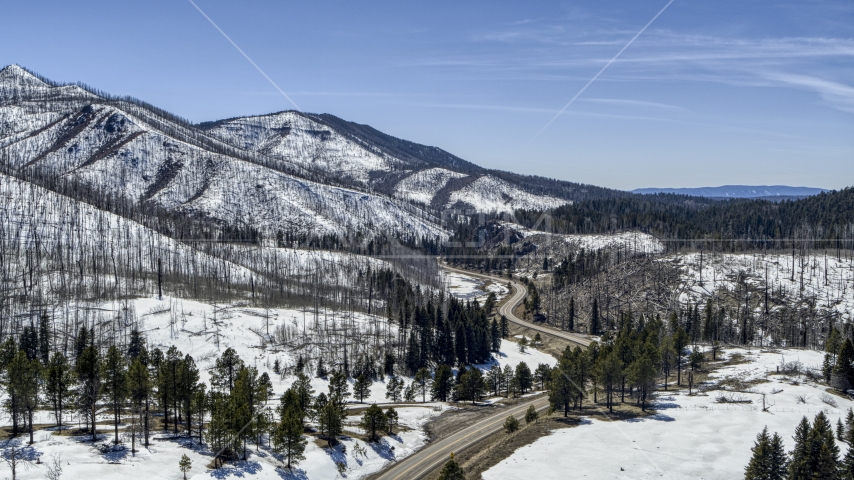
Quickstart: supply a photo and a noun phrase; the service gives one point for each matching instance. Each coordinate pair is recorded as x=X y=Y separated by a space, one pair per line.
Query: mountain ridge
x=737 y=191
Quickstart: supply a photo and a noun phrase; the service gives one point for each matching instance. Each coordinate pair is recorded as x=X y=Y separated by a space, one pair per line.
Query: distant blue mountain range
x=738 y=191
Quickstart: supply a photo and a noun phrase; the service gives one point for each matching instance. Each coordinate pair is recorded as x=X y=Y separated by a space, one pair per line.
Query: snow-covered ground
x=689 y=436
x=633 y=241
x=204 y=331
x=423 y=185
x=828 y=279
x=472 y=288
x=491 y=194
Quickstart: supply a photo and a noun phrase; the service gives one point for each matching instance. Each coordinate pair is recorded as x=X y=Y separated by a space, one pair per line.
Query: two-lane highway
x=430 y=458
x=518 y=296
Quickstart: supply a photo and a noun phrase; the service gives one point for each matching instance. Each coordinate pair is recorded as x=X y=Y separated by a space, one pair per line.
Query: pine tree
x=188 y=385
x=44 y=339
x=225 y=371
x=452 y=471
x=115 y=384
x=523 y=377
x=136 y=344
x=511 y=424
x=442 y=384
x=394 y=387
x=321 y=369
x=185 y=464
x=329 y=422
x=373 y=421
x=505 y=328
x=391 y=420
x=362 y=388
x=760 y=463
x=531 y=415
x=59 y=380
x=139 y=390
x=594 y=318
x=422 y=378
x=494 y=336
x=846 y=467
x=88 y=370
x=824 y=450
x=288 y=438
x=800 y=465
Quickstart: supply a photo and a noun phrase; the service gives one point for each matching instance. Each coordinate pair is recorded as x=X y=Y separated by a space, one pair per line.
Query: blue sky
x=724 y=92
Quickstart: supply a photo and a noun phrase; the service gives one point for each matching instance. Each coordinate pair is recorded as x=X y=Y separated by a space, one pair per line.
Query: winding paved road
x=519 y=294
x=430 y=458
x=426 y=461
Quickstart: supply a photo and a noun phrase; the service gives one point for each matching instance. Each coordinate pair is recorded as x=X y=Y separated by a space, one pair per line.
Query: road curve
x=519 y=294
x=430 y=458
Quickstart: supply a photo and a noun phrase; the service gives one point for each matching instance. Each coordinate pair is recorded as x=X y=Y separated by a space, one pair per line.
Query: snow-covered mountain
x=375 y=161
x=738 y=191
x=134 y=152
x=289 y=171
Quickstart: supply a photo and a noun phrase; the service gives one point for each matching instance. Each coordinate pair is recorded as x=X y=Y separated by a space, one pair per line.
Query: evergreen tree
x=59 y=380
x=523 y=377
x=394 y=387
x=422 y=378
x=610 y=373
x=225 y=371
x=329 y=422
x=505 y=328
x=44 y=339
x=136 y=344
x=373 y=421
x=321 y=369
x=139 y=391
x=846 y=467
x=362 y=388
x=452 y=471
x=81 y=342
x=185 y=464
x=542 y=375
x=800 y=467
x=494 y=336
x=115 y=384
x=594 y=318
x=391 y=420
x=188 y=385
x=288 y=439
x=769 y=459
x=531 y=415
x=442 y=384
x=89 y=375
x=825 y=453
x=511 y=424
x=471 y=385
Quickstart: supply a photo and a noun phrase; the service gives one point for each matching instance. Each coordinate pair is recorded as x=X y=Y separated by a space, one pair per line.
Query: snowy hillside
x=112 y=150
x=423 y=186
x=824 y=281
x=294 y=138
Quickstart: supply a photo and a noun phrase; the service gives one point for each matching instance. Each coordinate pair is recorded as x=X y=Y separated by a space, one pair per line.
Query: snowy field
x=690 y=436
x=204 y=331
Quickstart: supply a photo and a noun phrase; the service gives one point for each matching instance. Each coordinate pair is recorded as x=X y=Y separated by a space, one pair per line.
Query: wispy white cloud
x=839 y=95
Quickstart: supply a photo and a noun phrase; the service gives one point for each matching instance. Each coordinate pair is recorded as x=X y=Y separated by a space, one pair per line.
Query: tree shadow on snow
x=23 y=452
x=336 y=454
x=293 y=474
x=239 y=469
x=383 y=449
